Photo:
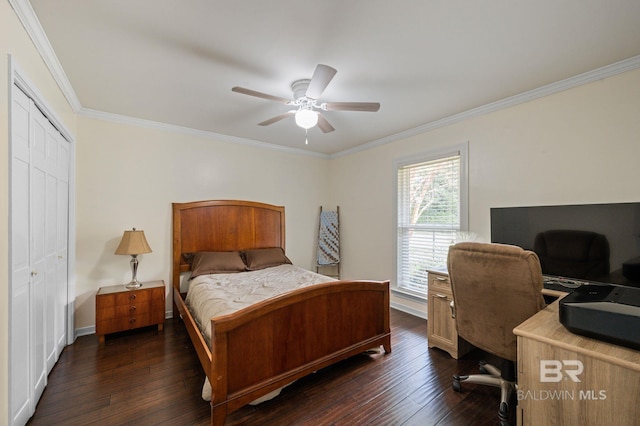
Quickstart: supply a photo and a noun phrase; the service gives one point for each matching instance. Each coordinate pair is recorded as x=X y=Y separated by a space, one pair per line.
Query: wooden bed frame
x=268 y=345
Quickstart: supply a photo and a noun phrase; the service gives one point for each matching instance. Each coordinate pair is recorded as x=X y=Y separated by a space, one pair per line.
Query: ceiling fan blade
x=259 y=94
x=320 y=80
x=277 y=118
x=351 y=106
x=324 y=125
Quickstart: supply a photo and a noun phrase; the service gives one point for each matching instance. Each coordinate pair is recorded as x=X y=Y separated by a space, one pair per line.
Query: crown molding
x=156 y=125
x=550 y=89
x=31 y=24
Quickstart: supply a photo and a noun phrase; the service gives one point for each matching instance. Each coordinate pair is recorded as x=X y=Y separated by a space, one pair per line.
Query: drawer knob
x=132 y=308
x=132 y=320
x=132 y=297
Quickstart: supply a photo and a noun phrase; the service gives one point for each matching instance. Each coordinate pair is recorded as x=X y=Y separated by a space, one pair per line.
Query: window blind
x=429 y=217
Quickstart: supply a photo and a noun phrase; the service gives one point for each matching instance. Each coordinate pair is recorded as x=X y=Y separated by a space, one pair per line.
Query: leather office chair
x=495 y=288
x=572 y=253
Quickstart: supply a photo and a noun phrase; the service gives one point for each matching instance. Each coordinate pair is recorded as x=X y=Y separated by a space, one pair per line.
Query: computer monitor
x=618 y=222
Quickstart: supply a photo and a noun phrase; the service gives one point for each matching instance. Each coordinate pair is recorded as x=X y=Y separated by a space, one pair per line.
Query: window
x=432 y=212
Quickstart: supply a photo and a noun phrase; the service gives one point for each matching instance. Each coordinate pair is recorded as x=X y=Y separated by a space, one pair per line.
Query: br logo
x=552 y=370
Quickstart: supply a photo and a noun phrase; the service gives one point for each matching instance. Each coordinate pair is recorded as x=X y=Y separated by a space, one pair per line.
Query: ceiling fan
x=306 y=96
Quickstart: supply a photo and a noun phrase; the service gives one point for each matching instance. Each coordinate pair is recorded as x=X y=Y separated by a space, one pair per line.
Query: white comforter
x=221 y=294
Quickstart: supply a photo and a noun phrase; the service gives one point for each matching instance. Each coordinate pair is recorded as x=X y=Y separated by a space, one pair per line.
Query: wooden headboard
x=223 y=225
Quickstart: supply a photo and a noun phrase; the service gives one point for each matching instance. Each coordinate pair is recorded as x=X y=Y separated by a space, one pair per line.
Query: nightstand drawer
x=122 y=311
x=115 y=325
x=138 y=297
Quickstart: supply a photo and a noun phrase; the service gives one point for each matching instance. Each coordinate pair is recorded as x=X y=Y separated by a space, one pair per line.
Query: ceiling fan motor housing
x=299 y=88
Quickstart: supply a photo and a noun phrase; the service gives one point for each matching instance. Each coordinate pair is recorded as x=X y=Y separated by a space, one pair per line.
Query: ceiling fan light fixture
x=306 y=118
x=306 y=99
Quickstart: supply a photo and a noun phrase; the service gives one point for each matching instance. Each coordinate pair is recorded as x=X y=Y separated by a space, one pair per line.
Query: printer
x=605 y=312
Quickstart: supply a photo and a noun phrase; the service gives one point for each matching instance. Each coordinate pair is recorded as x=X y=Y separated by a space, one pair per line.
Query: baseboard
x=85 y=331
x=408 y=310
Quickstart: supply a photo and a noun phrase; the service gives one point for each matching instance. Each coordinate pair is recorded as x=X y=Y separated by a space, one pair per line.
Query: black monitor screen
x=619 y=224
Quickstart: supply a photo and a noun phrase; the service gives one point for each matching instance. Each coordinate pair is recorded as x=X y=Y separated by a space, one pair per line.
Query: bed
x=263 y=347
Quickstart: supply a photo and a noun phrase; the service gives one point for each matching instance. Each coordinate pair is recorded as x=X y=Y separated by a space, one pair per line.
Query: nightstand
x=119 y=308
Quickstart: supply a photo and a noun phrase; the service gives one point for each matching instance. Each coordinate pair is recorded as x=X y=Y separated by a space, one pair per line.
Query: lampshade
x=133 y=243
x=306 y=118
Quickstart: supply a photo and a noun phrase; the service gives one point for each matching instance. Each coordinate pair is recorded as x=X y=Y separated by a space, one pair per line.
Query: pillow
x=264 y=258
x=216 y=262
x=188 y=258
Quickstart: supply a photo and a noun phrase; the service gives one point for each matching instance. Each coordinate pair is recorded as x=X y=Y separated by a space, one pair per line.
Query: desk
x=441 y=325
x=609 y=385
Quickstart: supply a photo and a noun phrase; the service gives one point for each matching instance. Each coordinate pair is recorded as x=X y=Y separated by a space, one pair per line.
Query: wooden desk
x=553 y=293
x=441 y=325
x=609 y=385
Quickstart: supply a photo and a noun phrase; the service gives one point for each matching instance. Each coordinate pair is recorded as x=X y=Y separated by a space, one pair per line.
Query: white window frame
x=460 y=150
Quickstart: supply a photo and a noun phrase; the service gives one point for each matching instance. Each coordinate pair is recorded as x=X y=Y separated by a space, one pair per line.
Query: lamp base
x=134 y=284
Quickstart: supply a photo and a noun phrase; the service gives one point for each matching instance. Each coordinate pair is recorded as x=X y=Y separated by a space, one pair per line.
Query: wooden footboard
x=269 y=345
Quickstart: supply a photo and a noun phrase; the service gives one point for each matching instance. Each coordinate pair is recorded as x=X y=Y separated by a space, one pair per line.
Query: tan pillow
x=264 y=258
x=216 y=262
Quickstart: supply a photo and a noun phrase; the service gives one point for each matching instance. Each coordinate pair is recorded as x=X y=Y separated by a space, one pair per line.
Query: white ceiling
x=175 y=62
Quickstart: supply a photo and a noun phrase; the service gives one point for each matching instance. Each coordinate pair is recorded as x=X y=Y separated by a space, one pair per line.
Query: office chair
x=572 y=253
x=495 y=288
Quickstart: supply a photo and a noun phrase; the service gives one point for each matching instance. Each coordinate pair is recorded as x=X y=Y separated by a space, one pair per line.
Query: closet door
x=37 y=247
x=56 y=226
x=62 y=243
x=39 y=243
x=20 y=380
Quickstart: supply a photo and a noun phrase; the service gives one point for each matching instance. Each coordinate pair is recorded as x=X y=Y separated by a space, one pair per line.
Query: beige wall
x=14 y=41
x=578 y=146
x=128 y=176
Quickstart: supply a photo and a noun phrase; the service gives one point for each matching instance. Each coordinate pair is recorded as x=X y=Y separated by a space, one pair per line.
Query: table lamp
x=133 y=243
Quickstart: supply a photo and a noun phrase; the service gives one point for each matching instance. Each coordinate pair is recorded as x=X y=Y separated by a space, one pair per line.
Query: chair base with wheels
x=504 y=378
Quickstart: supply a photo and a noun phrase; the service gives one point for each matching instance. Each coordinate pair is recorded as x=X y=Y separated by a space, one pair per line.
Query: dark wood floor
x=144 y=377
